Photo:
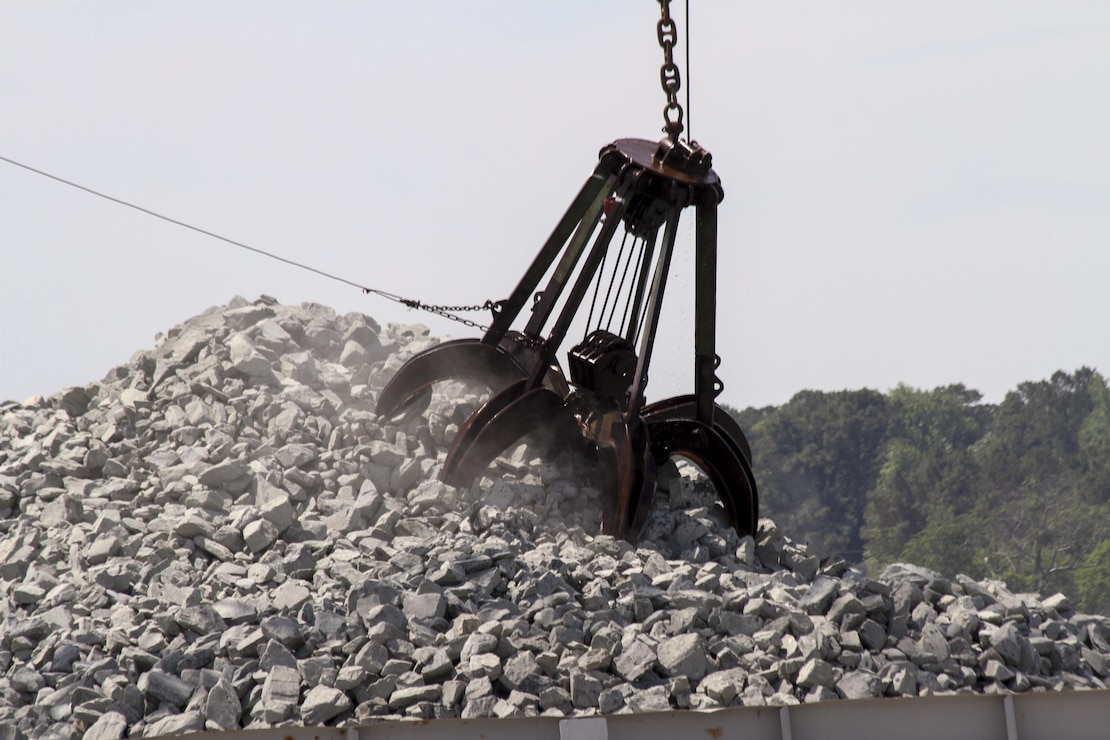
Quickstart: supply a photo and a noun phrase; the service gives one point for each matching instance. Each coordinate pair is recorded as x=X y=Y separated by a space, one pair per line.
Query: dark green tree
x=1018 y=491
x=1038 y=521
x=1093 y=580
x=815 y=458
x=1094 y=444
x=928 y=472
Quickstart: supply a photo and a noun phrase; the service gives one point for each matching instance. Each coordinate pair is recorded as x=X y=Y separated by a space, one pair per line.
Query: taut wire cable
x=445 y=311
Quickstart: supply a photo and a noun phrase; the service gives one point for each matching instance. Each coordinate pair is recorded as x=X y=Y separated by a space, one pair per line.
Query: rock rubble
x=221 y=534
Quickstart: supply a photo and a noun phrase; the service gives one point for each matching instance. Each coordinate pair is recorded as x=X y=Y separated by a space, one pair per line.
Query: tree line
x=1017 y=491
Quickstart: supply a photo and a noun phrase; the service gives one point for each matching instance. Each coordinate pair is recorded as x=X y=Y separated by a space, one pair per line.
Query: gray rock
x=203 y=619
x=521 y=672
x=595 y=659
x=683 y=655
x=903 y=681
x=558 y=697
x=27 y=680
x=281 y=692
x=585 y=690
x=259 y=535
x=438 y=668
x=372 y=657
x=296 y=455
x=245 y=359
x=284 y=629
x=872 y=635
x=485 y=664
x=480 y=707
x=478 y=687
x=453 y=693
x=1057 y=602
x=165 y=687
x=278 y=511
x=322 y=704
x=350 y=677
x=723 y=686
x=74 y=401
x=176 y=724
x=235 y=611
x=386 y=454
x=273 y=653
x=406 y=697
x=635 y=661
x=230 y=475
x=290 y=595
x=424 y=606
x=915 y=574
x=819 y=595
x=654 y=699
x=1007 y=640
x=859 y=685
x=223 y=710
x=933 y=643
x=65 y=508
x=478 y=643
x=110 y=726
x=102 y=549
x=815 y=672
x=998 y=671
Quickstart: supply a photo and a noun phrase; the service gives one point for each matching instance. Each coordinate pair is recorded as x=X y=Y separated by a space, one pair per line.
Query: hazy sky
x=914 y=192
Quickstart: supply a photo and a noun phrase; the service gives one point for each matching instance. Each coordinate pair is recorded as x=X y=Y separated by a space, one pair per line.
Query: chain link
x=669 y=75
x=451 y=312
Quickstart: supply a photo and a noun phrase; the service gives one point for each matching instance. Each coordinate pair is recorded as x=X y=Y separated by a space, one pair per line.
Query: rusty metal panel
x=1065 y=715
x=919 y=718
x=1072 y=715
x=535 y=728
x=753 y=723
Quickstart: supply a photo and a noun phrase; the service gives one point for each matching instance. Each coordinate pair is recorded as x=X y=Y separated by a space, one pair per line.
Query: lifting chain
x=451 y=312
x=669 y=76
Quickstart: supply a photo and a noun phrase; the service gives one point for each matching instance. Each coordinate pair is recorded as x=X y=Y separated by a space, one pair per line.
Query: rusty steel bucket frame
x=643 y=186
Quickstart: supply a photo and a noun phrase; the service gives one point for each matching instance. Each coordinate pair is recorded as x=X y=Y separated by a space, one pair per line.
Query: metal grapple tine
x=685 y=407
x=721 y=459
x=473 y=425
x=497 y=425
x=644 y=491
x=609 y=468
x=462 y=358
x=627 y=476
x=415 y=405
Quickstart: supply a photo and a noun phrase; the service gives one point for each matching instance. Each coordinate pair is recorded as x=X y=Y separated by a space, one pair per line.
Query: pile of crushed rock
x=221 y=534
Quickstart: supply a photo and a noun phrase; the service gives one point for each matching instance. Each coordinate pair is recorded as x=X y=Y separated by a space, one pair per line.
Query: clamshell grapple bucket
x=634 y=198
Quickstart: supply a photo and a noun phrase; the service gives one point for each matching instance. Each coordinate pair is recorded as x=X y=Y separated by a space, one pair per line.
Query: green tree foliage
x=928 y=473
x=1038 y=522
x=1019 y=491
x=1094 y=444
x=817 y=457
x=947 y=543
x=1093 y=579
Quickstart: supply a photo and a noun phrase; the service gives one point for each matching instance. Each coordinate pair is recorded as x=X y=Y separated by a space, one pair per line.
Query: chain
x=451 y=312
x=669 y=76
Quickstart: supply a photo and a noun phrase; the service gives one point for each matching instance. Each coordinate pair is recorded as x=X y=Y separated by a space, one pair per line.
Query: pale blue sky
x=914 y=193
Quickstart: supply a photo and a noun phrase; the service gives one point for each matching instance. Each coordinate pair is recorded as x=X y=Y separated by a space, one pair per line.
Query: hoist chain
x=451 y=312
x=669 y=76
